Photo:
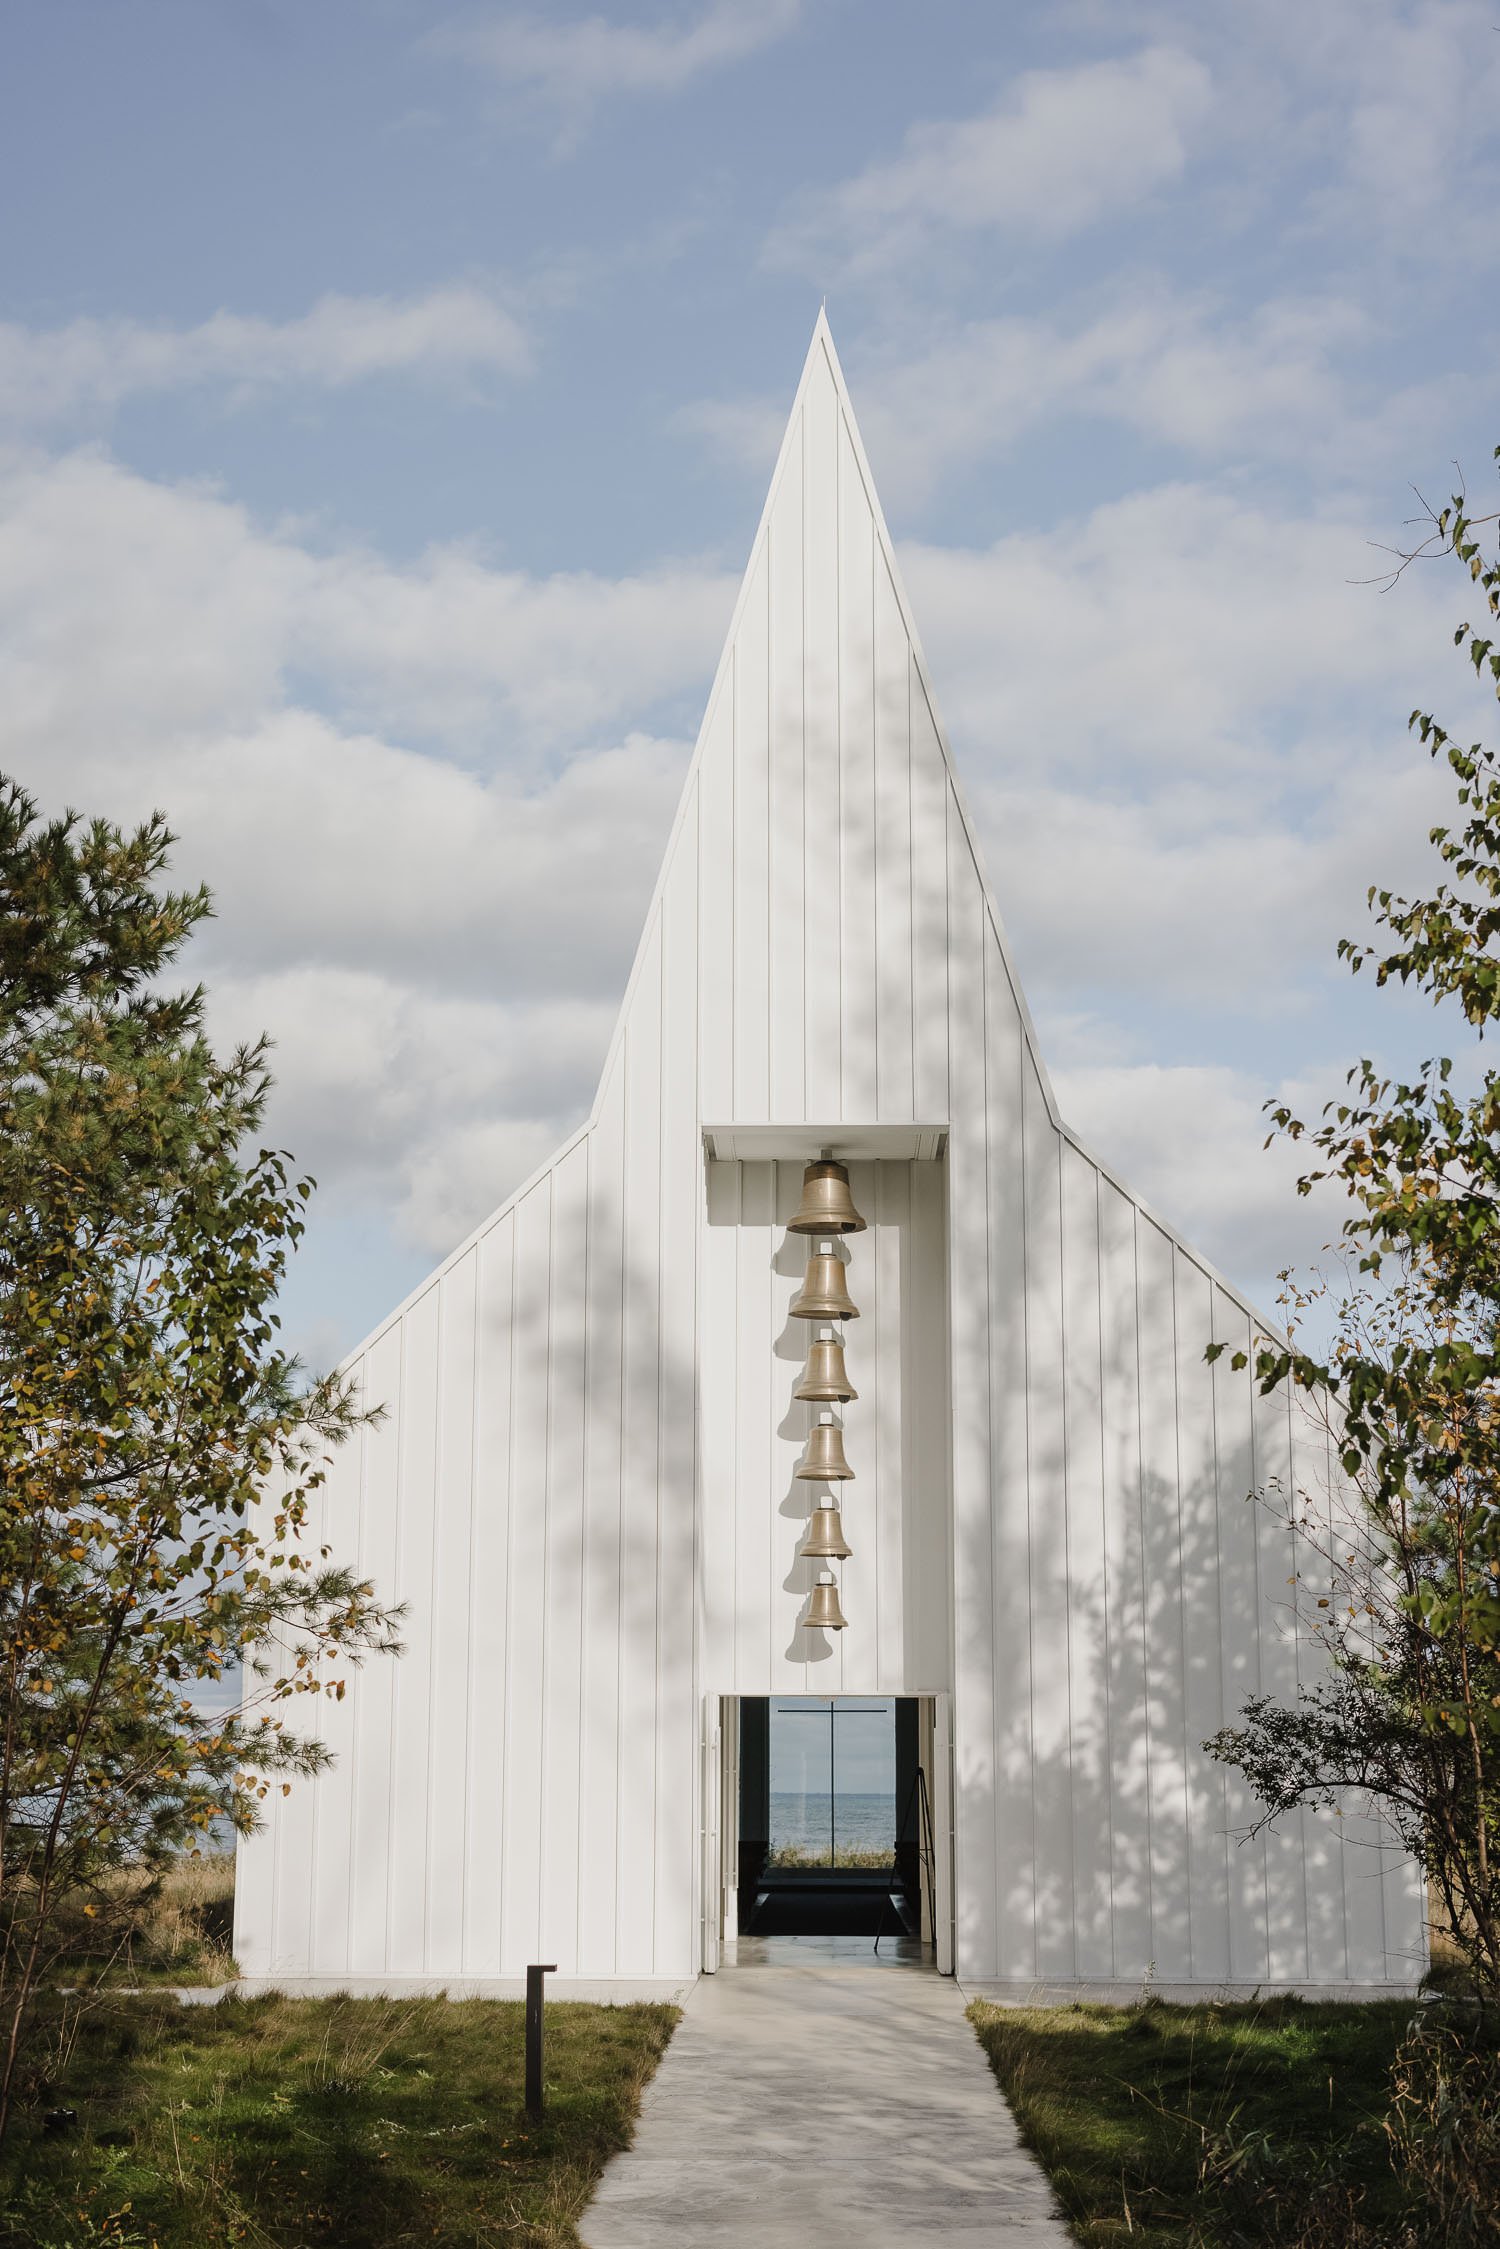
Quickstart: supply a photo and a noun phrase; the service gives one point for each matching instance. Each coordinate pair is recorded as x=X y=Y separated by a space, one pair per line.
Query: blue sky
x=387 y=395
x=808 y=1760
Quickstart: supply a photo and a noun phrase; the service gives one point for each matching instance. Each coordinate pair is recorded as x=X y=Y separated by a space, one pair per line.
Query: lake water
x=859 y=1823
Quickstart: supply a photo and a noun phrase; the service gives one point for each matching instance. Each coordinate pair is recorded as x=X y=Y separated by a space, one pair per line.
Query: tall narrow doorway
x=834 y=1818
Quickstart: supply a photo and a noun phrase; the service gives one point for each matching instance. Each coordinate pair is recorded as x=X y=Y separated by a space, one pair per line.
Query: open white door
x=711 y=1798
x=729 y=1819
x=942 y=1830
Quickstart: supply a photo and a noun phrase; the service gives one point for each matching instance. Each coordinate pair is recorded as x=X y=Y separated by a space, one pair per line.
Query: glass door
x=833 y=1781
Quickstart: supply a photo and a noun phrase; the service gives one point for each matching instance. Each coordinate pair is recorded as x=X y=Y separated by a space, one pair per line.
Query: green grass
x=847 y=1854
x=286 y=2123
x=1163 y=2127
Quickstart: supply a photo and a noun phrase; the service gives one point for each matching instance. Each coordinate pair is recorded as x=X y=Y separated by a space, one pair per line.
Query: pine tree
x=158 y=1445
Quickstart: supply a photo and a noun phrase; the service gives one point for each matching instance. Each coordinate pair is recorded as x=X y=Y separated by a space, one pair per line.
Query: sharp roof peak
x=821 y=362
x=823 y=335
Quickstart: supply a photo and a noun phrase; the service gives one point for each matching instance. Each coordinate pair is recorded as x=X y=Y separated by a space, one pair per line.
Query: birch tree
x=1408 y=1711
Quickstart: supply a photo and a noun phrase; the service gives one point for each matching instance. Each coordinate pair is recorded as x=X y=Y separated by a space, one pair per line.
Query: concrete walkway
x=834 y=2100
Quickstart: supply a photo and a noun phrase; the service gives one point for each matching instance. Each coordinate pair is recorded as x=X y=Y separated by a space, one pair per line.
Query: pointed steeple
x=822 y=808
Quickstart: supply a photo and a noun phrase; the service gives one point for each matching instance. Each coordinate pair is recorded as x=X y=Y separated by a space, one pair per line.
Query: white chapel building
x=585 y=1484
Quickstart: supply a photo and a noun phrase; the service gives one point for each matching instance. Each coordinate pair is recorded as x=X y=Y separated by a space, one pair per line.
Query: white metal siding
x=583 y=1485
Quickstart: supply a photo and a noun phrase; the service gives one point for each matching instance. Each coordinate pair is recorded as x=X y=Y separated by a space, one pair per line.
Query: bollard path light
x=534 y=1996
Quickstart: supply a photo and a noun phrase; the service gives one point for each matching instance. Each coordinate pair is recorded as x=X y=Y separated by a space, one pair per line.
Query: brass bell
x=827 y=1207
x=825 y=1292
x=824 y=1608
x=824 y=1375
x=824 y=1462
x=825 y=1540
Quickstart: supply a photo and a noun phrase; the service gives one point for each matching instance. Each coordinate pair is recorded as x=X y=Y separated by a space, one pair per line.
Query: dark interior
x=786 y=1901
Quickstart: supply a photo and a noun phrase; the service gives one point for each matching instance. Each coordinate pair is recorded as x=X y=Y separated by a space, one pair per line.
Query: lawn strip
x=286 y=2122
x=1162 y=2127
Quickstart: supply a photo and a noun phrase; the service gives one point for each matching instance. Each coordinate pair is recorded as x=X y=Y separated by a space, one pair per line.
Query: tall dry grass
x=175 y=1927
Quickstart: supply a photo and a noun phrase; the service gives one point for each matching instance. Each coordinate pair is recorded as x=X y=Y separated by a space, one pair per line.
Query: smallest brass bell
x=824 y=1375
x=824 y=1462
x=824 y=1608
x=825 y=1292
x=825 y=1540
x=827 y=1207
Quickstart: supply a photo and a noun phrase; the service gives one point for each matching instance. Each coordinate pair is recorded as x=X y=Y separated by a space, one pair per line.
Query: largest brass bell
x=824 y=1462
x=824 y=1376
x=827 y=1207
x=825 y=1540
x=825 y=1292
x=824 y=1608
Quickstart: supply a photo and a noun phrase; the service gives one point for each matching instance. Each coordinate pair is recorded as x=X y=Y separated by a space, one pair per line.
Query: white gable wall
x=582 y=1487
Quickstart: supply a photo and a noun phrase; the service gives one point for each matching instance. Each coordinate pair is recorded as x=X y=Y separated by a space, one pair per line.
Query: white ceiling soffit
x=803 y=1144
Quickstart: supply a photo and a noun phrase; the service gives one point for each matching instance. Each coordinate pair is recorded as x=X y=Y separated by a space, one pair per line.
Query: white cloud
x=1061 y=150
x=746 y=431
x=1425 y=86
x=451 y=1184
x=134 y=612
x=353 y=851
x=436 y=947
x=1182 y=731
x=1174 y=636
x=1173 y=368
x=1373 y=120
x=1229 y=907
x=192 y=618
x=1392 y=103
x=579 y=63
x=1284 y=381
x=426 y=1107
x=91 y=365
x=1190 y=1141
x=456 y=648
x=437 y=958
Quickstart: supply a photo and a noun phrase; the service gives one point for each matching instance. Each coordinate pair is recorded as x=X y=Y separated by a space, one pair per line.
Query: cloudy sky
x=387 y=396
